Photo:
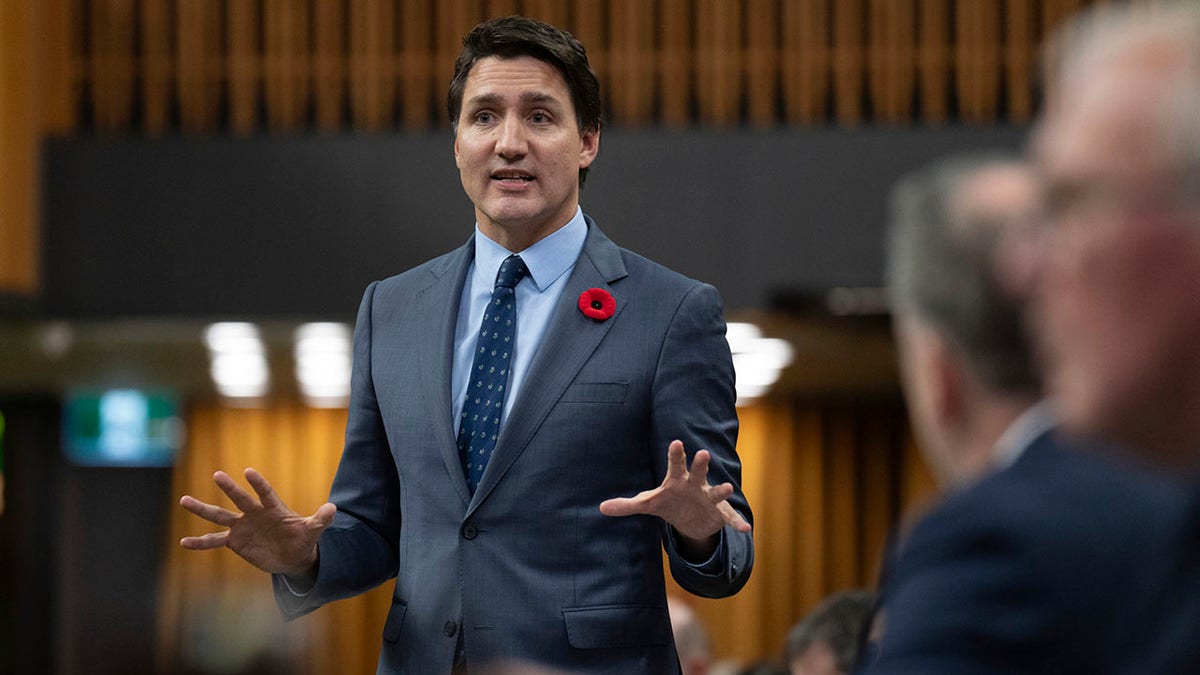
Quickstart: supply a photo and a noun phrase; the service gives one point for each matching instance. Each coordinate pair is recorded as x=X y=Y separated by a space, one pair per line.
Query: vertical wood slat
x=587 y=24
x=891 y=59
x=329 y=63
x=452 y=18
x=554 y=12
x=198 y=64
x=841 y=499
x=110 y=66
x=719 y=54
x=287 y=64
x=1019 y=59
x=811 y=530
x=416 y=65
x=631 y=61
x=805 y=57
x=497 y=8
x=762 y=61
x=18 y=150
x=59 y=59
x=977 y=62
x=847 y=61
x=674 y=63
x=156 y=66
x=243 y=66
x=372 y=86
x=933 y=60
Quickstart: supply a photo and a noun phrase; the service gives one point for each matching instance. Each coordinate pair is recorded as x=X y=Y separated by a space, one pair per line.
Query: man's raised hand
x=685 y=501
x=266 y=533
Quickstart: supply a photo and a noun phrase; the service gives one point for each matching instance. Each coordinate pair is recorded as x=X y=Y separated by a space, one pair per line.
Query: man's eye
x=483 y=117
x=539 y=118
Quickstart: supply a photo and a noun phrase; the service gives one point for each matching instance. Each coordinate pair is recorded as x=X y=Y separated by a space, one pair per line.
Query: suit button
x=450 y=629
x=470 y=531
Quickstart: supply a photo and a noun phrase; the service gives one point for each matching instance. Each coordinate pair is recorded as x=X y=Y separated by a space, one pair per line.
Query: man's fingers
x=235 y=492
x=265 y=492
x=323 y=518
x=676 y=460
x=209 y=512
x=719 y=493
x=623 y=506
x=205 y=542
x=699 y=470
x=732 y=517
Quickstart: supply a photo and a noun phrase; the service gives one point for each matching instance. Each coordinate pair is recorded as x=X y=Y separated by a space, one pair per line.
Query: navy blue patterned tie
x=480 y=423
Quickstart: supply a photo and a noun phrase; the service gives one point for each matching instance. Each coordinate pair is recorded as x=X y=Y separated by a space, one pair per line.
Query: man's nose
x=511 y=141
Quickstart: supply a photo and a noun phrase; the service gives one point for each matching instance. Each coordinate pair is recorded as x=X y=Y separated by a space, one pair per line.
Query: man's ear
x=590 y=147
x=947 y=383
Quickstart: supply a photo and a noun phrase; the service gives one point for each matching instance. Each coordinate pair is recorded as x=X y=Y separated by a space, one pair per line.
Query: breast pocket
x=596 y=392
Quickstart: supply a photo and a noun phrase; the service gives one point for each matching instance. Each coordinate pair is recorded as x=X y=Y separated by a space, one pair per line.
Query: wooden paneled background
x=827 y=481
x=242 y=67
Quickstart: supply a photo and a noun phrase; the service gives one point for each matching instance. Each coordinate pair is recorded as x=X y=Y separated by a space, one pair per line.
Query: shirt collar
x=1019 y=435
x=547 y=260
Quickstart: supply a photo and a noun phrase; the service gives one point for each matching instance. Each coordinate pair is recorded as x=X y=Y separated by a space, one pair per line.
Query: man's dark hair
x=513 y=36
x=839 y=623
x=941 y=266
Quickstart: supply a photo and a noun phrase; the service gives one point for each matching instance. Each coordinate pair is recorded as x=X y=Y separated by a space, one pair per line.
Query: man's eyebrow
x=526 y=97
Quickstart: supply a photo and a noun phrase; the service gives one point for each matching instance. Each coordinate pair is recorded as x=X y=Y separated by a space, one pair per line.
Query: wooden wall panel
x=372 y=81
x=675 y=61
x=110 y=66
x=198 y=64
x=283 y=66
x=18 y=148
x=329 y=64
x=933 y=60
x=631 y=61
x=287 y=65
x=891 y=59
x=806 y=58
x=719 y=54
x=849 y=31
x=244 y=66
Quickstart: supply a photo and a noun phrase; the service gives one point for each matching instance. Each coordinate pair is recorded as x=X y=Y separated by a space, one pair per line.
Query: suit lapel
x=437 y=352
x=568 y=343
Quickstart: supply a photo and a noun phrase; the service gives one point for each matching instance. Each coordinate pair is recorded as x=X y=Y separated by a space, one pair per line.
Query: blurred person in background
x=691 y=638
x=524 y=525
x=1021 y=567
x=1115 y=277
x=827 y=641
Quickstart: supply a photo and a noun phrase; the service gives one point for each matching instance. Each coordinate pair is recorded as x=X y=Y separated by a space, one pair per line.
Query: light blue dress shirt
x=550 y=262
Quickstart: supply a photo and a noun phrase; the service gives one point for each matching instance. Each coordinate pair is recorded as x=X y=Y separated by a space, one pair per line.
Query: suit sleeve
x=359 y=550
x=695 y=401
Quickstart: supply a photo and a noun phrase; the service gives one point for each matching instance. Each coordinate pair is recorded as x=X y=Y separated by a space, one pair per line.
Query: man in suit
x=1019 y=568
x=1115 y=280
x=522 y=414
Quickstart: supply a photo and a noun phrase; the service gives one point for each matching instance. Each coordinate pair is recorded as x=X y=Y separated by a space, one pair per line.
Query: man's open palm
x=266 y=532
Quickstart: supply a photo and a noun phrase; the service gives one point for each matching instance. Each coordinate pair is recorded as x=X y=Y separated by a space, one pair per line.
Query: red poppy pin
x=597 y=303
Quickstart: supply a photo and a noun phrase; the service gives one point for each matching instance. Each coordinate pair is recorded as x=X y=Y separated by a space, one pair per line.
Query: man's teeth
x=510 y=177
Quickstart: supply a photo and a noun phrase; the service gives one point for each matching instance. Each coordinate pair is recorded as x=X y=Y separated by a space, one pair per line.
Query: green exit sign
x=122 y=427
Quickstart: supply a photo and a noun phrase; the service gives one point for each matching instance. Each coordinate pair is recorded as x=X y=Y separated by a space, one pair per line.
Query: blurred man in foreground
x=1020 y=568
x=1116 y=283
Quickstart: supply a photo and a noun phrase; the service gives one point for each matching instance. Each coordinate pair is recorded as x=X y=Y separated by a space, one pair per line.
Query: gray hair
x=1105 y=33
x=840 y=623
x=942 y=269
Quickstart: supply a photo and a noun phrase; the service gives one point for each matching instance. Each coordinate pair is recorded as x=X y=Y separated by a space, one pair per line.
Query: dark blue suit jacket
x=1026 y=571
x=1165 y=637
x=527 y=567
